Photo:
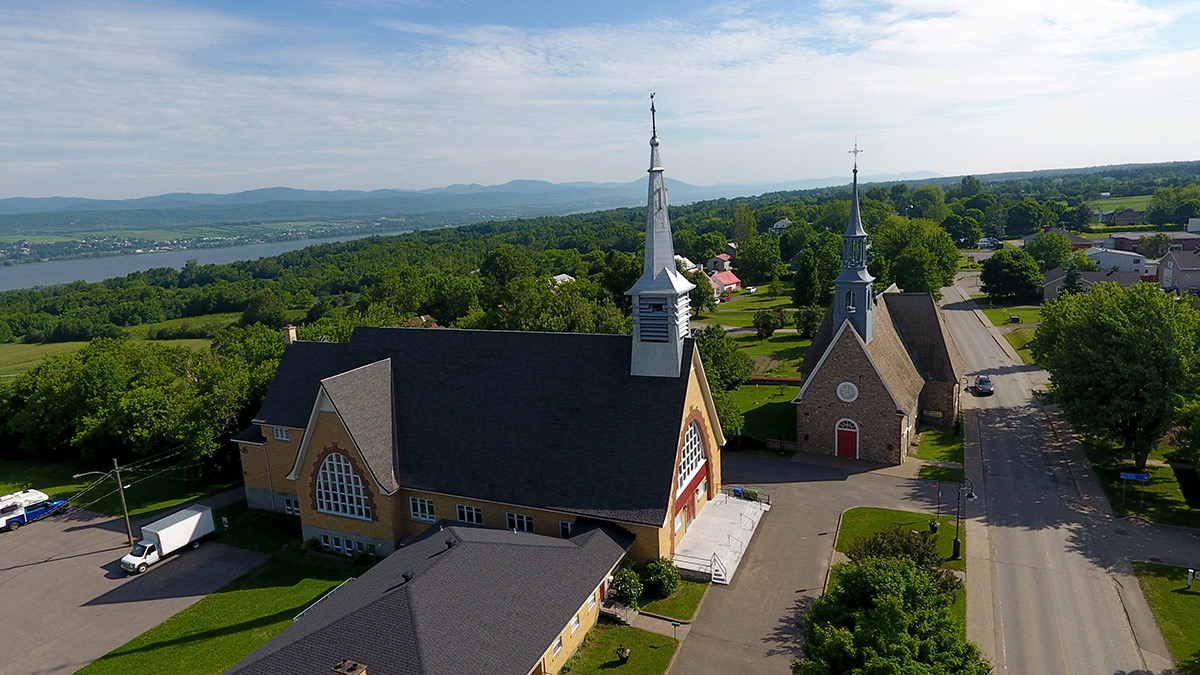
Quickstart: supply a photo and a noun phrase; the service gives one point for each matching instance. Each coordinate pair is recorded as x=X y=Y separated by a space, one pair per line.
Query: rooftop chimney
x=348 y=667
x=289 y=335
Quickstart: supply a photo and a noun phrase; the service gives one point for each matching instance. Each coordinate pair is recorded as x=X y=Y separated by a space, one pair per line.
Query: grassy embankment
x=941 y=445
x=1176 y=609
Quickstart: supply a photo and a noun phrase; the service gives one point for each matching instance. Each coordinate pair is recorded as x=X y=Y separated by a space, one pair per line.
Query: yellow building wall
x=571 y=641
x=277 y=455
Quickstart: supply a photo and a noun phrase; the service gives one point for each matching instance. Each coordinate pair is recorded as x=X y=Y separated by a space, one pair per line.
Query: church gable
x=848 y=360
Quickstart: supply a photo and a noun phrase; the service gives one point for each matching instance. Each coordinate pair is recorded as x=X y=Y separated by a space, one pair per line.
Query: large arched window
x=692 y=457
x=339 y=489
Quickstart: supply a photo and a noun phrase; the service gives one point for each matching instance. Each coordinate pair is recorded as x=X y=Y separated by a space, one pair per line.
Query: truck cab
x=21 y=508
x=144 y=554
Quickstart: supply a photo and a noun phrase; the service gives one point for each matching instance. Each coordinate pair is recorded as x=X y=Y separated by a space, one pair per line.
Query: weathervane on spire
x=653 y=125
x=855 y=152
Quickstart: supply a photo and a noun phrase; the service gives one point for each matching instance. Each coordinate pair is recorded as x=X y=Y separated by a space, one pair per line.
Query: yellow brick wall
x=277 y=454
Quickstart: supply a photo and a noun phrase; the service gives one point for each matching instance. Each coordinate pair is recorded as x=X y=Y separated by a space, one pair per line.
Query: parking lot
x=64 y=601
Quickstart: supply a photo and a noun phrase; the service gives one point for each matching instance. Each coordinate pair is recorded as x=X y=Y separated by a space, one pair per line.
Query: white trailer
x=167 y=535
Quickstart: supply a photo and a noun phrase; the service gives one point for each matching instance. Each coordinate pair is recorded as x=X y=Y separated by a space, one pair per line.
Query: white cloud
x=125 y=100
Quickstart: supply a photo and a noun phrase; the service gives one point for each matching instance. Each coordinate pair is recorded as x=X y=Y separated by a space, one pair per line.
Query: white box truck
x=167 y=535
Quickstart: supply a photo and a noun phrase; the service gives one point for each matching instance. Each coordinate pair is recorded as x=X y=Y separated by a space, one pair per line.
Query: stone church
x=881 y=365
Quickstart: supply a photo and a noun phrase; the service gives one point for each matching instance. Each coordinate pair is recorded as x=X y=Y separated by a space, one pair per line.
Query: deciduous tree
x=1049 y=250
x=1011 y=274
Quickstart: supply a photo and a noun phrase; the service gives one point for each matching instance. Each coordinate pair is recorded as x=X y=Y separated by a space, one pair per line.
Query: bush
x=626 y=586
x=895 y=542
x=661 y=578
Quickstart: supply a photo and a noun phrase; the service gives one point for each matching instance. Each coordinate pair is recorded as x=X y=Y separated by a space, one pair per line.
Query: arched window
x=339 y=489
x=847 y=425
x=692 y=457
x=849 y=300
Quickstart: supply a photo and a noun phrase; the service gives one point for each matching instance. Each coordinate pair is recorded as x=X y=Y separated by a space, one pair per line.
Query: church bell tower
x=853 y=297
x=660 y=296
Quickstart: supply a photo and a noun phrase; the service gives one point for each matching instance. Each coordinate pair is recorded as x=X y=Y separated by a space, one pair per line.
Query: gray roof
x=928 y=340
x=1122 y=279
x=476 y=601
x=363 y=399
x=546 y=420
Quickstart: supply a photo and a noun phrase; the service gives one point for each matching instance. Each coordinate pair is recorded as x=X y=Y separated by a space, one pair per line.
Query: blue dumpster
x=737 y=492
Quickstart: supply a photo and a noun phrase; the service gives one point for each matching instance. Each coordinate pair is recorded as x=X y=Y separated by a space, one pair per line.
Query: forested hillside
x=118 y=397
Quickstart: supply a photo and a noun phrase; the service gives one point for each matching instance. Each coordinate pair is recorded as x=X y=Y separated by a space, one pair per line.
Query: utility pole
x=124 y=506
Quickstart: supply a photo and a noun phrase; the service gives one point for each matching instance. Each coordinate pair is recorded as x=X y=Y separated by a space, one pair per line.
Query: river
x=98 y=269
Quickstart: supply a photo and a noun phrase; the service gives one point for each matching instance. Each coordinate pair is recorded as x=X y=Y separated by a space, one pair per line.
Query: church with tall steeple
x=881 y=367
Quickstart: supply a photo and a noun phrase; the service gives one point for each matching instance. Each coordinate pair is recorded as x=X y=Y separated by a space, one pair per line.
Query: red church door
x=847 y=439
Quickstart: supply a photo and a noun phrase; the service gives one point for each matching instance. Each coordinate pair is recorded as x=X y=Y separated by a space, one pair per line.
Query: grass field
x=1172 y=497
x=779 y=355
x=220 y=630
x=999 y=315
x=649 y=653
x=864 y=521
x=945 y=474
x=1176 y=609
x=1020 y=339
x=769 y=411
x=217 y=321
x=942 y=445
x=1139 y=202
x=682 y=604
x=148 y=494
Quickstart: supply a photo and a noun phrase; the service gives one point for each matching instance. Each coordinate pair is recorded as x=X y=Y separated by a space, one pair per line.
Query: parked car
x=167 y=535
x=725 y=298
x=26 y=506
x=984 y=386
x=751 y=289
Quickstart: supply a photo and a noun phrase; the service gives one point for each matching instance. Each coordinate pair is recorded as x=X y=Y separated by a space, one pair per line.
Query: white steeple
x=660 y=296
x=853 y=296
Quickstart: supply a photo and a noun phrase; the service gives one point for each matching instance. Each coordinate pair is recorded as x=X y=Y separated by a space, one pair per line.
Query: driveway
x=65 y=601
x=753 y=625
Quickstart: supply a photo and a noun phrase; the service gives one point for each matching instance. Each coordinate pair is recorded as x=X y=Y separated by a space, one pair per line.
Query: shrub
x=895 y=542
x=661 y=578
x=627 y=586
x=308 y=544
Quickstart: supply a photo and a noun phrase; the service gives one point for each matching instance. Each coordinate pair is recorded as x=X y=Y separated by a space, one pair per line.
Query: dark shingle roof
x=547 y=420
x=1122 y=279
x=921 y=327
x=363 y=399
x=493 y=602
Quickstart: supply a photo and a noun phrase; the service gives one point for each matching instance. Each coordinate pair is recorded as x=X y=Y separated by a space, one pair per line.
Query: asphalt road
x=1040 y=598
x=65 y=602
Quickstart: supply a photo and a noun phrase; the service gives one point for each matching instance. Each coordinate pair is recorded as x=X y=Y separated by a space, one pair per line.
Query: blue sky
x=127 y=99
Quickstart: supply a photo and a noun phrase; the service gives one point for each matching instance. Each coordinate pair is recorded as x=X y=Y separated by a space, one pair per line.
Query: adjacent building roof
x=493 y=414
x=1076 y=240
x=726 y=278
x=458 y=600
x=1122 y=279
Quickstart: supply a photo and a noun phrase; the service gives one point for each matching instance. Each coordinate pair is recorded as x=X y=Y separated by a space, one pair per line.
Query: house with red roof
x=727 y=281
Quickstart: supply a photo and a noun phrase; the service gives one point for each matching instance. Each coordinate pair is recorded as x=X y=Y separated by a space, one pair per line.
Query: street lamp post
x=121 y=490
x=970 y=490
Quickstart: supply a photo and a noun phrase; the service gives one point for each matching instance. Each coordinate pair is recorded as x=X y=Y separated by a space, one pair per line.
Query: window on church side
x=849 y=300
x=692 y=457
x=421 y=509
x=339 y=489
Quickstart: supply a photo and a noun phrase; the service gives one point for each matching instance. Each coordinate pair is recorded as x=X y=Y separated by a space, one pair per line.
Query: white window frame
x=574 y=624
x=564 y=528
x=422 y=509
x=281 y=434
x=340 y=491
x=291 y=506
x=469 y=514
x=691 y=458
x=679 y=520
x=557 y=647
x=518 y=521
x=592 y=602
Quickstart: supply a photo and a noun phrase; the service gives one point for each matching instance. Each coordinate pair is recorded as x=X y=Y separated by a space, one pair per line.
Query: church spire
x=853 y=293
x=660 y=296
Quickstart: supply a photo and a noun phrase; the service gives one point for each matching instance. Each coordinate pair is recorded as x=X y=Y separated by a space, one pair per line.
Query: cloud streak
x=118 y=100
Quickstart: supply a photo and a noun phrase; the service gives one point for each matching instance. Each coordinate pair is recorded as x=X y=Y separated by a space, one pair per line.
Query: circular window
x=847 y=392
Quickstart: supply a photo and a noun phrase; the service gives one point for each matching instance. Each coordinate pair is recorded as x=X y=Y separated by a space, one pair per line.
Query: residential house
x=878 y=365
x=370 y=441
x=1180 y=271
x=688 y=265
x=1055 y=279
x=1121 y=261
x=1078 y=243
x=720 y=263
x=1128 y=217
x=1128 y=241
x=458 y=599
x=727 y=282
x=1193 y=225
x=779 y=227
x=560 y=279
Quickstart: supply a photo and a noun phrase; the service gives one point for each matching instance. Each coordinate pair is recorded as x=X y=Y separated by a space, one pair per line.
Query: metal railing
x=322 y=598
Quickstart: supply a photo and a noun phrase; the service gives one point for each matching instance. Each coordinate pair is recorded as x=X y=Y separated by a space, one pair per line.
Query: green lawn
x=769 y=410
x=941 y=473
x=1172 y=497
x=216 y=321
x=221 y=629
x=1139 y=202
x=650 y=653
x=999 y=315
x=944 y=445
x=682 y=604
x=147 y=494
x=1176 y=610
x=779 y=355
x=16 y=358
x=865 y=520
x=1020 y=339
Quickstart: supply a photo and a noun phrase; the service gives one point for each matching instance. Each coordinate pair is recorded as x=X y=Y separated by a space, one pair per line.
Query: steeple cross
x=653 y=125
x=855 y=152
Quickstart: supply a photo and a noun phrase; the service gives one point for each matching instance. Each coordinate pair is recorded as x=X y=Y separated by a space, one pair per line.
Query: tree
x=964 y=230
x=774 y=289
x=1026 y=217
x=744 y=225
x=1011 y=274
x=969 y=186
x=507 y=262
x=808 y=321
x=767 y=321
x=1077 y=217
x=898 y=542
x=807 y=284
x=1154 y=245
x=1073 y=280
x=701 y=297
x=732 y=420
x=916 y=254
x=884 y=615
x=264 y=307
x=725 y=364
x=758 y=259
x=661 y=578
x=929 y=201
x=1121 y=361
x=1050 y=250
